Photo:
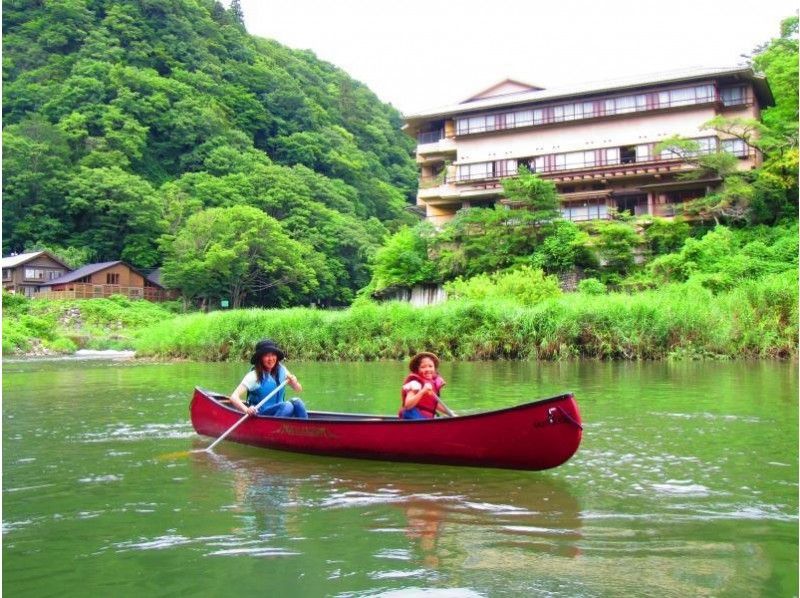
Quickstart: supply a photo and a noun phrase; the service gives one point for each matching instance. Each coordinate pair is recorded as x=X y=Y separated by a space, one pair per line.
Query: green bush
x=525 y=285
x=591 y=286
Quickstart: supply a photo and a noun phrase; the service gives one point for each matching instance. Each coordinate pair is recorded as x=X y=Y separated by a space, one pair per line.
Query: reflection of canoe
x=537 y=435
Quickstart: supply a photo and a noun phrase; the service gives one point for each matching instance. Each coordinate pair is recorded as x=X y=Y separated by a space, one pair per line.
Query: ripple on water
x=216 y=545
x=148 y=431
x=430 y=593
x=101 y=479
x=681 y=488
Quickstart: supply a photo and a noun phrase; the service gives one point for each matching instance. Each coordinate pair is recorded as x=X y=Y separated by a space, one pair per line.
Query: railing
x=574 y=165
x=95 y=291
x=430 y=136
x=429 y=182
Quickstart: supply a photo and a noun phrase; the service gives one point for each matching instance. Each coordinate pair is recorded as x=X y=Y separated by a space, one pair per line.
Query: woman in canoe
x=421 y=389
x=266 y=375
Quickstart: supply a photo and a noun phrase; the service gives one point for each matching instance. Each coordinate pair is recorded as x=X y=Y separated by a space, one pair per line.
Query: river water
x=686 y=484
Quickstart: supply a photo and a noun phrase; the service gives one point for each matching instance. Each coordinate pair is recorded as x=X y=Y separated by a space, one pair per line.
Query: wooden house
x=103 y=280
x=25 y=273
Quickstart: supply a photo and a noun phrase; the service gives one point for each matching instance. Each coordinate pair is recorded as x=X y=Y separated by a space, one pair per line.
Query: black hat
x=264 y=347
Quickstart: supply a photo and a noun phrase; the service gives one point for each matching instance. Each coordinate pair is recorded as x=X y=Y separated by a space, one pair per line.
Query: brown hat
x=413 y=365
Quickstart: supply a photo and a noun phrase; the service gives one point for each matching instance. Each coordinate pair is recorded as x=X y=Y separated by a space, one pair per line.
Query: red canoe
x=537 y=435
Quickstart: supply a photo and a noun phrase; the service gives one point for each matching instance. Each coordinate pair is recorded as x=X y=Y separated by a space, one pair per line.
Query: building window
x=733 y=96
x=112 y=278
x=737 y=147
x=34 y=274
x=627 y=155
x=593 y=209
x=7 y=274
x=624 y=104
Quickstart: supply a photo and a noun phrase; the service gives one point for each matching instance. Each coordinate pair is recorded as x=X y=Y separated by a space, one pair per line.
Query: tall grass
x=756 y=319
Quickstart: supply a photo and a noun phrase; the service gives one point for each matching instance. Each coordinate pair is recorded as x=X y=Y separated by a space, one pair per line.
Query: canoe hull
x=534 y=436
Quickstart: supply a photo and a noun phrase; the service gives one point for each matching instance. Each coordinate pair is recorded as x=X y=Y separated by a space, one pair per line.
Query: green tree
x=615 y=243
x=403 y=260
x=565 y=247
x=232 y=253
x=109 y=208
x=35 y=163
x=537 y=198
x=236 y=12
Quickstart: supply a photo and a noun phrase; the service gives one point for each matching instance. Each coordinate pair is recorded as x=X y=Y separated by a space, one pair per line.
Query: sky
x=423 y=54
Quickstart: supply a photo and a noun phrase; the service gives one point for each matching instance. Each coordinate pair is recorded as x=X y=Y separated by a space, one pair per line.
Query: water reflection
x=430 y=517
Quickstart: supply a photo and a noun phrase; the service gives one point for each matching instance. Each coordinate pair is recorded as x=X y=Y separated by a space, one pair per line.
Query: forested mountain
x=161 y=133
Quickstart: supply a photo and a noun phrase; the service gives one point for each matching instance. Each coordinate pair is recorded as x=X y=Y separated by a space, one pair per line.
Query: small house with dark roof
x=103 y=280
x=26 y=272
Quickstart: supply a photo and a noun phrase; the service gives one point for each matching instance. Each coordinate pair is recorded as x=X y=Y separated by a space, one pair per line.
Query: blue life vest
x=268 y=384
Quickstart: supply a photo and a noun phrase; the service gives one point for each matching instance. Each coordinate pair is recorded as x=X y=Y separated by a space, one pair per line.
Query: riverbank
x=757 y=319
x=49 y=328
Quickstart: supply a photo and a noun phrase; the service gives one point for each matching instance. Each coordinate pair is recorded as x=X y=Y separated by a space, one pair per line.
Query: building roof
x=90 y=269
x=479 y=105
x=501 y=88
x=17 y=260
x=83 y=271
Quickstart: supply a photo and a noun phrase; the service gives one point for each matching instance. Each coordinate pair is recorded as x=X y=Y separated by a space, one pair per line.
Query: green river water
x=686 y=484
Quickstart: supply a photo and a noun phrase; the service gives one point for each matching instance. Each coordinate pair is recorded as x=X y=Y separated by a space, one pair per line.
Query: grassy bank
x=758 y=319
x=45 y=327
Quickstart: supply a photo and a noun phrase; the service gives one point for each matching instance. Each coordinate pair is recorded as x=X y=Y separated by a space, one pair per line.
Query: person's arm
x=236 y=399
x=415 y=396
x=296 y=386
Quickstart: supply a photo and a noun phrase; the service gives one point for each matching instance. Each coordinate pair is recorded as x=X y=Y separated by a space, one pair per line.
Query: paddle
x=246 y=415
x=450 y=412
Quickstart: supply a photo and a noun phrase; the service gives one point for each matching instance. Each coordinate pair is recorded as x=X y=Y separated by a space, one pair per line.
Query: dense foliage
x=122 y=120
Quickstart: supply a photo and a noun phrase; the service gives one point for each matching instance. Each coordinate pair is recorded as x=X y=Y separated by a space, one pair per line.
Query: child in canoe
x=421 y=389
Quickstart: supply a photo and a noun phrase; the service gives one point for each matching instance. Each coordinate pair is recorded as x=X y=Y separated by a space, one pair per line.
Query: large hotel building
x=595 y=142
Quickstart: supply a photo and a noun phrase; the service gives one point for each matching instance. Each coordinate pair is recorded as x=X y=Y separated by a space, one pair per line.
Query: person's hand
x=292 y=379
x=250 y=410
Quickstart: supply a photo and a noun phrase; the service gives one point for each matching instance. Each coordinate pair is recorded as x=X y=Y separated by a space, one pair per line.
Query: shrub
x=591 y=286
x=525 y=285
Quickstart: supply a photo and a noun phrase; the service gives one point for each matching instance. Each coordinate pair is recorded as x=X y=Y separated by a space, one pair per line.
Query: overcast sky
x=420 y=54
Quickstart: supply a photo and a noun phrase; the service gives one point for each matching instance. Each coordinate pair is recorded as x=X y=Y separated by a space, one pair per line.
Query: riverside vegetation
x=729 y=294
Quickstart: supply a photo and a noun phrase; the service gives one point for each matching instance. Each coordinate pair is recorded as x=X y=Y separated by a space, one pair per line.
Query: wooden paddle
x=246 y=415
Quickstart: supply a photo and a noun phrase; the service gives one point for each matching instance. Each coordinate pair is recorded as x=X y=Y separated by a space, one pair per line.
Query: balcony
x=430 y=137
x=441 y=148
